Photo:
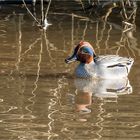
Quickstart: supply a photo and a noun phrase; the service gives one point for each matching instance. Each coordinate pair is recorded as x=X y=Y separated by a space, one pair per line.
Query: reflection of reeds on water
x=127 y=40
x=44 y=42
x=53 y=104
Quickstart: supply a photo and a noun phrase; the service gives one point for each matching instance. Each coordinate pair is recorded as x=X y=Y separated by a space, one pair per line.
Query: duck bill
x=71 y=59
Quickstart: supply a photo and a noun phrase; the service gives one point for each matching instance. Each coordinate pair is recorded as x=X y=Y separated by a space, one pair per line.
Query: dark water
x=40 y=98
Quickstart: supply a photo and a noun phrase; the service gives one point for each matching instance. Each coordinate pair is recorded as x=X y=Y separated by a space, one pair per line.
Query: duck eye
x=83 y=50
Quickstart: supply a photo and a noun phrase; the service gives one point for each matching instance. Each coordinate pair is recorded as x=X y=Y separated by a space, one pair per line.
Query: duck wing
x=111 y=61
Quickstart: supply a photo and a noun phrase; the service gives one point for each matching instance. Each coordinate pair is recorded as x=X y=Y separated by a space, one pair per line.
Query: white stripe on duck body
x=102 y=66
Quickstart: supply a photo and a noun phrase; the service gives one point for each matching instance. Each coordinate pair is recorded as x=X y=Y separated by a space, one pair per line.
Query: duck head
x=83 y=52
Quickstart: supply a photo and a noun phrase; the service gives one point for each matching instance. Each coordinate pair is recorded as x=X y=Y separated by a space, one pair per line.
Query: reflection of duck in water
x=83 y=100
x=101 y=88
x=92 y=66
x=104 y=87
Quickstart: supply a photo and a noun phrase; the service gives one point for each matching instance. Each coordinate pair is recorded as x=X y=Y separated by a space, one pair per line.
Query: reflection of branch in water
x=97 y=34
x=130 y=26
x=99 y=38
x=128 y=14
x=7 y=17
x=122 y=44
x=36 y=81
x=84 y=31
x=30 y=12
x=47 y=10
x=17 y=82
x=129 y=45
x=77 y=30
x=100 y=118
x=127 y=41
x=132 y=41
x=82 y=4
x=18 y=61
x=109 y=11
x=42 y=11
x=31 y=46
x=128 y=33
x=102 y=31
x=52 y=111
x=53 y=106
x=60 y=26
x=38 y=66
x=72 y=31
x=108 y=37
x=124 y=10
x=76 y=16
x=49 y=52
x=50 y=133
x=19 y=43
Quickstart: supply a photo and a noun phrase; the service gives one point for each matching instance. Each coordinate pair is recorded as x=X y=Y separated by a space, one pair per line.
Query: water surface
x=39 y=96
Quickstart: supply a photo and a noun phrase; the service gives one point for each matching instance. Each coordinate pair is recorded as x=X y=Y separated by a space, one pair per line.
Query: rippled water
x=39 y=96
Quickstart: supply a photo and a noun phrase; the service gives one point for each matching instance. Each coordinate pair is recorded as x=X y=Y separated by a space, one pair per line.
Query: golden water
x=40 y=98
